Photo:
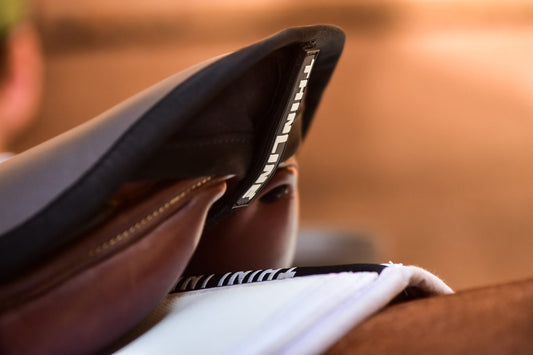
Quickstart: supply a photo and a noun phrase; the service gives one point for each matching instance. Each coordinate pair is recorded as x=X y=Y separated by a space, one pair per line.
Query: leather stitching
x=126 y=233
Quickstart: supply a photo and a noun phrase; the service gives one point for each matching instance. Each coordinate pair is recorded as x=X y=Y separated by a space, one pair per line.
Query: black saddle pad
x=239 y=114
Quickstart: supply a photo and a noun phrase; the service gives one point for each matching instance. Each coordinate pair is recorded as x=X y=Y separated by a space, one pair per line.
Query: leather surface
x=96 y=290
x=259 y=236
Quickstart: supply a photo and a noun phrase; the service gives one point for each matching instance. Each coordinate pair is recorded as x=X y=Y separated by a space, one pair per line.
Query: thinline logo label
x=232 y=278
x=284 y=128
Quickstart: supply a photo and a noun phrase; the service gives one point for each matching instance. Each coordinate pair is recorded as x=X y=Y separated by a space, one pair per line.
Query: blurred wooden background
x=422 y=141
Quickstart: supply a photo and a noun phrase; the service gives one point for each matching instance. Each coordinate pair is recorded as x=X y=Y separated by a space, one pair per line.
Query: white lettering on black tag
x=282 y=133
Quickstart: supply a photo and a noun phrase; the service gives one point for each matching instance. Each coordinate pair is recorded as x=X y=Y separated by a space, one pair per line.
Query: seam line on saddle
x=133 y=228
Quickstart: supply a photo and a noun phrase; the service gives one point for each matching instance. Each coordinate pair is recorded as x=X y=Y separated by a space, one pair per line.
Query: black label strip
x=272 y=160
x=192 y=283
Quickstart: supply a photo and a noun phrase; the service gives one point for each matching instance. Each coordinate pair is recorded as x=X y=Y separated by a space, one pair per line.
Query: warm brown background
x=422 y=142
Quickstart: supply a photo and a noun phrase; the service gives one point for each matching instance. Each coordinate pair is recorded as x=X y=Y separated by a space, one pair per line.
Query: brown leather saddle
x=97 y=224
